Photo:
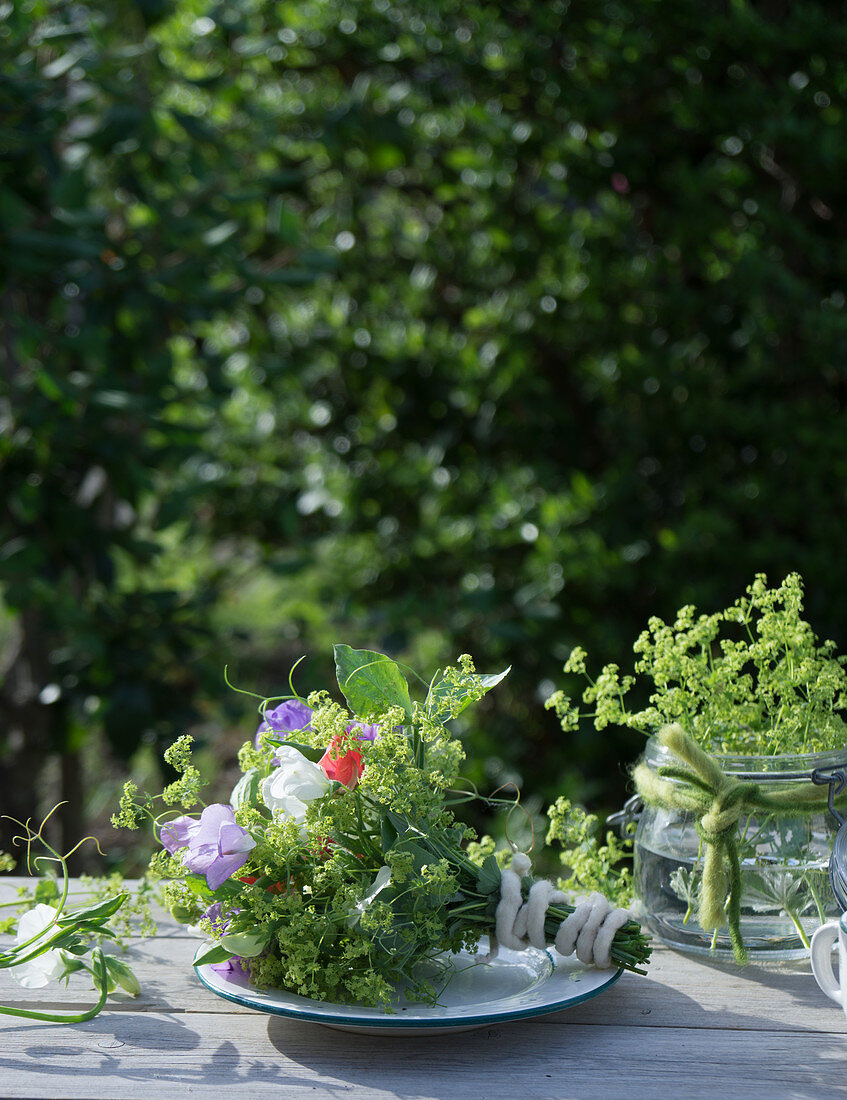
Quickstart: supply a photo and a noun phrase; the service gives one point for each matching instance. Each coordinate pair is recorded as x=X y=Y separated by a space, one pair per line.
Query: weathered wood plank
x=691 y=1029
x=151 y=1055
x=679 y=992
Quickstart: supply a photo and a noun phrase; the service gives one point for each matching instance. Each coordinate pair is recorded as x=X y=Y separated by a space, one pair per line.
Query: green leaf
x=220 y=233
x=421 y=856
x=71 y=966
x=246 y=790
x=122 y=975
x=56 y=244
x=63 y=64
x=246 y=944
x=446 y=699
x=370 y=682
x=388 y=833
x=488 y=879
x=211 y=953
x=309 y=751
x=46 y=890
x=92 y=928
x=99 y=912
x=399 y=823
x=194 y=127
x=197 y=885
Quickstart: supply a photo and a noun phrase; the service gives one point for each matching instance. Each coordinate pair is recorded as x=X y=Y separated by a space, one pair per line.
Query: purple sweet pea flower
x=177 y=833
x=234 y=966
x=292 y=716
x=218 y=921
x=217 y=846
x=289 y=717
x=364 y=731
x=220 y=846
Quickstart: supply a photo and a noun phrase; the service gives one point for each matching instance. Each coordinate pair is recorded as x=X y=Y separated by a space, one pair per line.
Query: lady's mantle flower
x=344 y=767
x=295 y=783
x=216 y=845
x=47 y=967
x=214 y=915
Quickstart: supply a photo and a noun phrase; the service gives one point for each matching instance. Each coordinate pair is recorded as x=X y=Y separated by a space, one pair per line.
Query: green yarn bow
x=699 y=786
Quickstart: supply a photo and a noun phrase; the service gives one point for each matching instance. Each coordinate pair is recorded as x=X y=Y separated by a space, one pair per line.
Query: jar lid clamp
x=837 y=780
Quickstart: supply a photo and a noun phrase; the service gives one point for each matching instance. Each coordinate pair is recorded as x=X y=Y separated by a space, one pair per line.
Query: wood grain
x=691 y=1029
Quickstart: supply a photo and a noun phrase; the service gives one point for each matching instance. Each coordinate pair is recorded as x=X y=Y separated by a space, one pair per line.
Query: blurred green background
x=431 y=327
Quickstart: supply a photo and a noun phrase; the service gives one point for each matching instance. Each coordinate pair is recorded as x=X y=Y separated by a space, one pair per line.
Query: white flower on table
x=45 y=968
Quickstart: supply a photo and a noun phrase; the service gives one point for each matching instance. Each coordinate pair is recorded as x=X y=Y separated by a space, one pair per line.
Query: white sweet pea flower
x=47 y=967
x=295 y=783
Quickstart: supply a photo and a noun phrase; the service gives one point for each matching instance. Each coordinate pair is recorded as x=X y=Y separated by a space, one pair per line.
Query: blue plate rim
x=397 y=1023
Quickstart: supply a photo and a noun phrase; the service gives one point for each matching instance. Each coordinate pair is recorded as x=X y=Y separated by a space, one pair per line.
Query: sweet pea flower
x=47 y=967
x=177 y=833
x=342 y=766
x=292 y=785
x=292 y=716
x=289 y=717
x=365 y=731
x=214 y=915
x=232 y=967
x=217 y=845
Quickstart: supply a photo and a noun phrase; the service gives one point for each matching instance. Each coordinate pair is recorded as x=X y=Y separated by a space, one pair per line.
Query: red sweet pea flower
x=342 y=766
x=274 y=888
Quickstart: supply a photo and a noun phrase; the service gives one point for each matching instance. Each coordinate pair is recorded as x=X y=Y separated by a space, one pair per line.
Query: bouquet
x=338 y=870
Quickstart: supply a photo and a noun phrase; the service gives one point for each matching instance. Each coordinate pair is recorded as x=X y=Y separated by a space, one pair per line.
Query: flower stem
x=67 y=1018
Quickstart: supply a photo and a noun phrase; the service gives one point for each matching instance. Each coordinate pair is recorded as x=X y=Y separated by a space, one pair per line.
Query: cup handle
x=822 y=943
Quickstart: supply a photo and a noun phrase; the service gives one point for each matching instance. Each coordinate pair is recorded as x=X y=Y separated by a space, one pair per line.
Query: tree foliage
x=482 y=327
x=134 y=233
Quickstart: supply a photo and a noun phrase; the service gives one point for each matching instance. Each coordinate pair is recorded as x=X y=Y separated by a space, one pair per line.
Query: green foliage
x=589 y=864
x=476 y=327
x=457 y=688
x=582 y=358
x=370 y=682
x=68 y=940
x=136 y=242
x=749 y=679
x=342 y=889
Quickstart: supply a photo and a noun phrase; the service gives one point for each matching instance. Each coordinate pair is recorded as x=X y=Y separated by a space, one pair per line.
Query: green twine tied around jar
x=718 y=801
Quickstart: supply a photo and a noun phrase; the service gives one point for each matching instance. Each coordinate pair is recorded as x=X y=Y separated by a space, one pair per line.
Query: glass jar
x=785 y=889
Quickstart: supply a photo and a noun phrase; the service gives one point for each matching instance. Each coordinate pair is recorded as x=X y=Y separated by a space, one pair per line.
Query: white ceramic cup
x=822 y=943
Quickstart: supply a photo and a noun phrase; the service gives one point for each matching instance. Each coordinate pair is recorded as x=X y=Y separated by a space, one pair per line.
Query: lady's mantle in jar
x=732 y=852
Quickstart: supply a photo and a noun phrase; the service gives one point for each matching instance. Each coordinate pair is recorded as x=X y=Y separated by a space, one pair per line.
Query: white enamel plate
x=514 y=986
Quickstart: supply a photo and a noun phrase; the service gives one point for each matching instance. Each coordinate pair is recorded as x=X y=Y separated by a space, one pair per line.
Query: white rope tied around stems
x=589 y=929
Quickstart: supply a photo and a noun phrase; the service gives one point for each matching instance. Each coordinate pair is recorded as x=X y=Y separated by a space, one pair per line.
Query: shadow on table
x=796 y=988
x=117 y=1047
x=517 y=1057
x=527 y=1056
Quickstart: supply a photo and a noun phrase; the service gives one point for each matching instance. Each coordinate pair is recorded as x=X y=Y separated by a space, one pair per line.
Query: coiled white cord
x=589 y=929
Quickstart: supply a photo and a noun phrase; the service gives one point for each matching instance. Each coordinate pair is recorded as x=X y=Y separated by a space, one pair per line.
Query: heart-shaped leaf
x=370 y=682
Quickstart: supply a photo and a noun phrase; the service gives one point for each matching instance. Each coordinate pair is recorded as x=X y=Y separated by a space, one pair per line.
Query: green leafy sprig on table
x=356 y=889
x=751 y=679
x=55 y=941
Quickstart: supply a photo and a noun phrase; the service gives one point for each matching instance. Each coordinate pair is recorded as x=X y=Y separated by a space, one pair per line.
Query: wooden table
x=691 y=1029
